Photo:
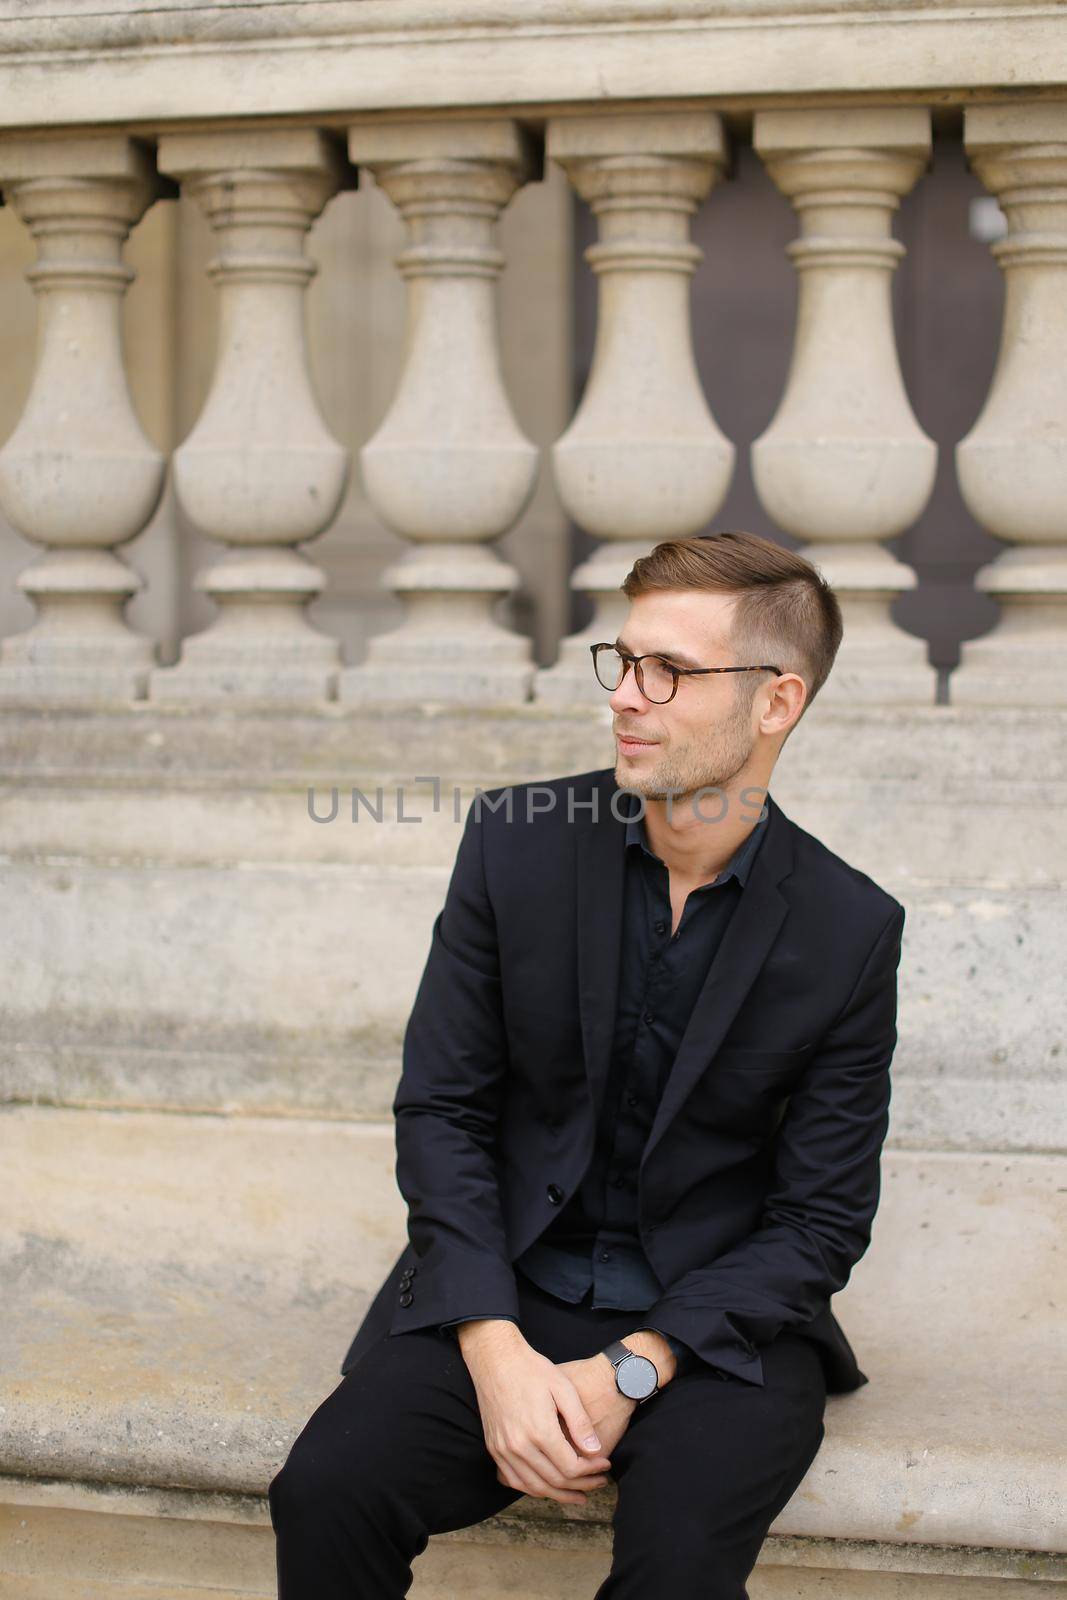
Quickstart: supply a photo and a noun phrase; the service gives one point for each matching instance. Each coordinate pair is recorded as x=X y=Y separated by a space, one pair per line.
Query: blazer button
x=407 y=1298
x=407 y=1274
x=555 y=1193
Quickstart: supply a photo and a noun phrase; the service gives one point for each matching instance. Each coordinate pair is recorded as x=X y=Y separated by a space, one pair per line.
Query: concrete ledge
x=332 y=58
x=88 y=1541
x=181 y=935
x=273 y=990
x=907 y=796
x=151 y=1344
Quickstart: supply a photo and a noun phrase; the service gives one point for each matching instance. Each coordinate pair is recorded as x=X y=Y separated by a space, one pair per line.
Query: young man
x=644 y=1094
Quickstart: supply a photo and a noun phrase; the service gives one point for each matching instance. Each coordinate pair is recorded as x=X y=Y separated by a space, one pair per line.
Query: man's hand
x=594 y=1381
x=536 y=1422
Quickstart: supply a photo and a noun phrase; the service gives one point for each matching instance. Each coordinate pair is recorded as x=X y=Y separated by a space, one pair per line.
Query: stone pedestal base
x=80 y=649
x=1020 y=662
x=448 y=647
x=261 y=646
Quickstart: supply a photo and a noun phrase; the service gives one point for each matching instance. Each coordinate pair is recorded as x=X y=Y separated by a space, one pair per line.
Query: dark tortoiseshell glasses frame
x=676 y=672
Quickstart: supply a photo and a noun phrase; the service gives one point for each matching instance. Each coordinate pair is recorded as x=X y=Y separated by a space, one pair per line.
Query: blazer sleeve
x=824 y=1190
x=457 y=1322
x=446 y=1106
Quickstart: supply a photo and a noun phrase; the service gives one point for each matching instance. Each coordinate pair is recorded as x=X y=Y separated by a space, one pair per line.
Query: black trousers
x=397 y=1453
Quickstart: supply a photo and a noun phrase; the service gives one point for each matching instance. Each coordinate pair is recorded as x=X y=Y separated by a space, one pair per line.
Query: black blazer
x=760 y=1178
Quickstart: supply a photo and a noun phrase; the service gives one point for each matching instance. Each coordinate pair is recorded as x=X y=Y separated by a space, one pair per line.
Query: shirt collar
x=739 y=865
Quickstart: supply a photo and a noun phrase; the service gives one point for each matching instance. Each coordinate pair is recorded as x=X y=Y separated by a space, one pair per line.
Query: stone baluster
x=844 y=463
x=1012 y=465
x=643 y=459
x=259 y=472
x=449 y=469
x=78 y=476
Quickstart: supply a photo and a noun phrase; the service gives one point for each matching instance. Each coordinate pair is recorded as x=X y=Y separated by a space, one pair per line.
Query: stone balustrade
x=843 y=466
x=78 y=476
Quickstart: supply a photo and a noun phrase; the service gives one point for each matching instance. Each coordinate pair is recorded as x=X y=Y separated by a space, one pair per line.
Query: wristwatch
x=635 y=1376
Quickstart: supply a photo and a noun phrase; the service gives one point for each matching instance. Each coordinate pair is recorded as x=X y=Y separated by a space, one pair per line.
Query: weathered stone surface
x=144 y=1345
x=84 y=1543
x=313 y=56
x=181 y=933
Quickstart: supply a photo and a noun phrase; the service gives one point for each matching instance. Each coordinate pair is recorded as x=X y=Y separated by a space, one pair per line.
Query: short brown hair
x=786 y=611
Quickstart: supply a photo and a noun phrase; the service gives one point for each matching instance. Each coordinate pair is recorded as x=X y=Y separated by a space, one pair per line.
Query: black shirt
x=594 y=1241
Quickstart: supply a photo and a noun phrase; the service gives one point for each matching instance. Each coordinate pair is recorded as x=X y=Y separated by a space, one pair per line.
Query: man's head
x=721 y=600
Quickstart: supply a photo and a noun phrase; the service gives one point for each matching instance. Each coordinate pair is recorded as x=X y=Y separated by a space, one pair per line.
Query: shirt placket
x=615 y=1259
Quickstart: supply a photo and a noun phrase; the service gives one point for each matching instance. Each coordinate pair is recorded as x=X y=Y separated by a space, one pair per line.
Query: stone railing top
x=65 y=63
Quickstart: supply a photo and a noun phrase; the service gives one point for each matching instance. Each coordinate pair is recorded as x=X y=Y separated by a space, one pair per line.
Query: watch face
x=637 y=1377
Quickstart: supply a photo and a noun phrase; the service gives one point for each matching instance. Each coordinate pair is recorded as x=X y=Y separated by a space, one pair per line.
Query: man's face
x=705 y=736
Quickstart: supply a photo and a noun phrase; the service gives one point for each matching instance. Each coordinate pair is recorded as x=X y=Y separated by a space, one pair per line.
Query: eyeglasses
x=658 y=681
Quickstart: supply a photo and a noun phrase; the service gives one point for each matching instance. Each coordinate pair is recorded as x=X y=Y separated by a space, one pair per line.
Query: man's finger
x=597 y=1463
x=531 y=1482
x=579 y=1423
x=566 y=1465
x=580 y=1427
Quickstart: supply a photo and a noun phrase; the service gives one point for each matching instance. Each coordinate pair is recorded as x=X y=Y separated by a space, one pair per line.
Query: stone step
x=276 y=988
x=81 y=1542
x=924 y=795
x=183 y=1289
x=179 y=935
x=211 y=988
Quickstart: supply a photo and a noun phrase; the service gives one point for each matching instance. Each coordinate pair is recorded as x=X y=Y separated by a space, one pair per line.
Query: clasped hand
x=550 y=1427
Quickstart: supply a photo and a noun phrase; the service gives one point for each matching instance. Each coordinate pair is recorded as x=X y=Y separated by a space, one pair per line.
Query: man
x=645 y=1090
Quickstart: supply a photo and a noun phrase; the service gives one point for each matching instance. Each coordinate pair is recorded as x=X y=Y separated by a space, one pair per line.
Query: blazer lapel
x=746 y=944
x=600 y=845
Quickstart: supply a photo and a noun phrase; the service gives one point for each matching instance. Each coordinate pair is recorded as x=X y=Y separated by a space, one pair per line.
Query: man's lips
x=626 y=738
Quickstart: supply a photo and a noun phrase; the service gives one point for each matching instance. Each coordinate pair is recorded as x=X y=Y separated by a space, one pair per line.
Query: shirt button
x=618 y=1181
x=631 y=1100
x=649 y=1016
x=605 y=1255
x=661 y=927
x=555 y=1193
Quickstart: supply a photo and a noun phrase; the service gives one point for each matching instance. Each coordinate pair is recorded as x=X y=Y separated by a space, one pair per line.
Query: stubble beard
x=692 y=766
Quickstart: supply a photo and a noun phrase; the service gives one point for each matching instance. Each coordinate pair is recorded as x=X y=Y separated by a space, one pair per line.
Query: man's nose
x=628 y=697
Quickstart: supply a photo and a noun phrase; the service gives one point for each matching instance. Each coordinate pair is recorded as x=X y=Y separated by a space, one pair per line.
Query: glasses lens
x=658 y=679
x=609 y=668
